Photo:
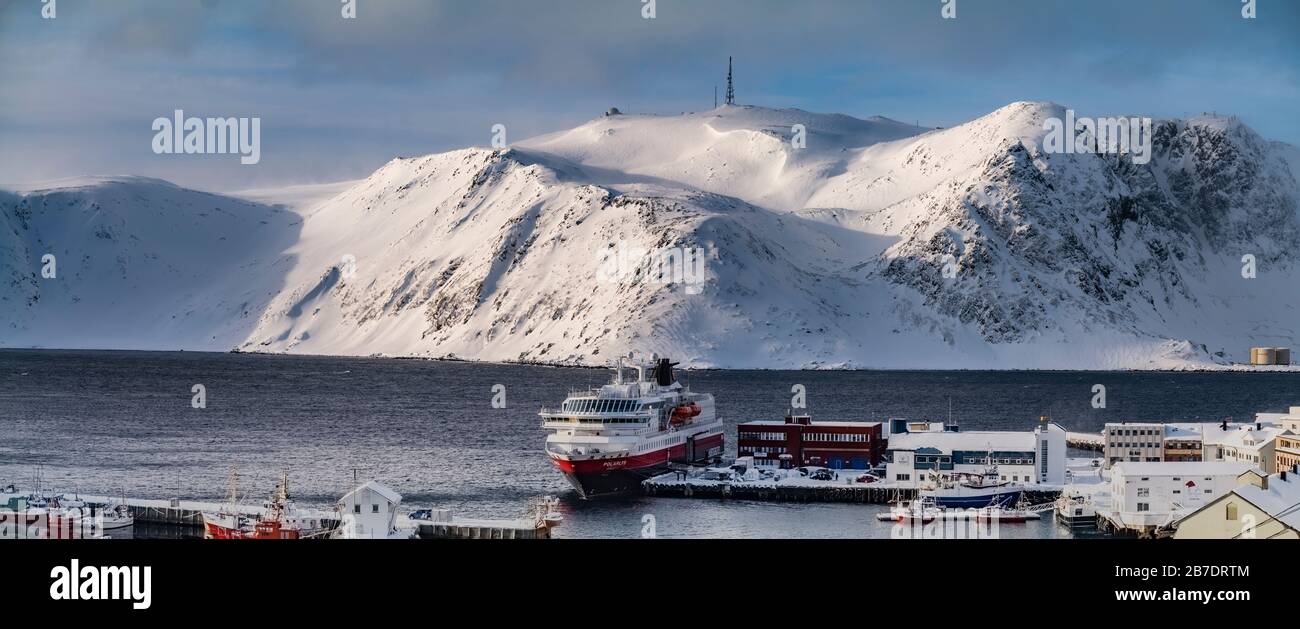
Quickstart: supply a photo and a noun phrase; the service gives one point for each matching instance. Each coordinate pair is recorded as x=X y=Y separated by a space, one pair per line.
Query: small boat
x=1076 y=512
x=1003 y=514
x=100 y=517
x=921 y=510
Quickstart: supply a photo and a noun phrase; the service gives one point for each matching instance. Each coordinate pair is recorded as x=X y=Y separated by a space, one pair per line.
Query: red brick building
x=800 y=441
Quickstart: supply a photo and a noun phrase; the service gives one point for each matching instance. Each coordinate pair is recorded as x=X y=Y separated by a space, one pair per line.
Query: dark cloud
x=411 y=76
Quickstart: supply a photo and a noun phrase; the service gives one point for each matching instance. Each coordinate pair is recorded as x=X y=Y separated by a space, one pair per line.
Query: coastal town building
x=1286 y=452
x=1254 y=445
x=800 y=441
x=1148 y=442
x=1182 y=445
x=1133 y=442
x=1260 y=507
x=1149 y=495
x=942 y=452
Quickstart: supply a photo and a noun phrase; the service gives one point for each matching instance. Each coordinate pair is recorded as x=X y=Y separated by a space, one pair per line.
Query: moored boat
x=608 y=440
x=973 y=491
x=280 y=518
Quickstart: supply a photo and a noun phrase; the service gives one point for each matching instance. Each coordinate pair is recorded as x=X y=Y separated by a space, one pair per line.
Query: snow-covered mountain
x=825 y=255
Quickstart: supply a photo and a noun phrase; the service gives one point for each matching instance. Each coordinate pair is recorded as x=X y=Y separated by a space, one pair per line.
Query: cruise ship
x=607 y=440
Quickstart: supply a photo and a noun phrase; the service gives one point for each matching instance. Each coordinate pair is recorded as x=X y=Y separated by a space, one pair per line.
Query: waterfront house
x=369 y=512
x=1260 y=507
x=1254 y=445
x=1150 y=495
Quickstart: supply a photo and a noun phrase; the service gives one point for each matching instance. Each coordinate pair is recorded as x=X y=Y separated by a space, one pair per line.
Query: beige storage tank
x=1263 y=356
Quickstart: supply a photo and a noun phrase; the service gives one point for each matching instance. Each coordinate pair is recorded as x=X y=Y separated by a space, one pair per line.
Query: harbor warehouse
x=1029 y=457
x=799 y=441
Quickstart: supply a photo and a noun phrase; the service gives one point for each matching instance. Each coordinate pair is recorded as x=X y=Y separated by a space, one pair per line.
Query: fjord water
x=121 y=423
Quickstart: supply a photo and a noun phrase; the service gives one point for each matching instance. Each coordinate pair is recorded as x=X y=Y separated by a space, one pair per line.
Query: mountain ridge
x=829 y=256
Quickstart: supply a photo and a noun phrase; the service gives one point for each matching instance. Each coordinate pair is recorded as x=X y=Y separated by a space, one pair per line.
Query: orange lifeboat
x=685 y=412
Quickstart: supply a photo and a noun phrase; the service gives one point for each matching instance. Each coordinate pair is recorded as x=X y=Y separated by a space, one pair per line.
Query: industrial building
x=800 y=441
x=924 y=450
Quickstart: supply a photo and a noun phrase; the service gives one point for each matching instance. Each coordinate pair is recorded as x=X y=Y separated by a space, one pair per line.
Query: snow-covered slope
x=824 y=256
x=138 y=263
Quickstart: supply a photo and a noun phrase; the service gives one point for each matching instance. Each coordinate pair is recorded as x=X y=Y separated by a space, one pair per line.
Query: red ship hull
x=263 y=530
x=598 y=478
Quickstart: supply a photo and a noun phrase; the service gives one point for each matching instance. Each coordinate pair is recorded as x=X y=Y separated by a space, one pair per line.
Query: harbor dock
x=483 y=529
x=179 y=513
x=673 y=485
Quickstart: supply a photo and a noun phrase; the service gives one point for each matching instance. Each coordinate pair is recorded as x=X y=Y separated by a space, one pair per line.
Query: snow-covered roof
x=1180 y=468
x=974 y=440
x=377 y=487
x=1281 y=500
x=1247 y=439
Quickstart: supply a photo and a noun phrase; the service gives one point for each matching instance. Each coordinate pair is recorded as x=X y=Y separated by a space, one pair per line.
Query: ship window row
x=610 y=420
x=601 y=406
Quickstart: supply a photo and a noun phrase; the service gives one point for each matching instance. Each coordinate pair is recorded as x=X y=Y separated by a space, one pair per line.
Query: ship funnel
x=663 y=372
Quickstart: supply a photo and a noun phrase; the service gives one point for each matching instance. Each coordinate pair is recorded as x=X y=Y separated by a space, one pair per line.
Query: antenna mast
x=731 y=90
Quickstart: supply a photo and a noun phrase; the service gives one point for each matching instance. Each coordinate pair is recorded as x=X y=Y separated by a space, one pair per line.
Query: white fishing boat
x=920 y=510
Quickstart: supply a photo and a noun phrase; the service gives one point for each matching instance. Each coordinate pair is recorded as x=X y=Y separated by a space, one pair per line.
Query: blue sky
x=338 y=98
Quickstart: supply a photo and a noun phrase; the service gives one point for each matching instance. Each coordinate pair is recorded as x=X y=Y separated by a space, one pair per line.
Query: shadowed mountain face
x=792 y=240
x=137 y=263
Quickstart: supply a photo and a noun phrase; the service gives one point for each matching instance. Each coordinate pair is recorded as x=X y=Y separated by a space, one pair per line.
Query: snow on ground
x=826 y=256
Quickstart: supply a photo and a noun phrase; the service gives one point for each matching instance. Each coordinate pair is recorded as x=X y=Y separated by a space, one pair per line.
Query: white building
x=1252 y=445
x=1152 y=494
x=369 y=512
x=1030 y=457
x=1147 y=442
x=1260 y=507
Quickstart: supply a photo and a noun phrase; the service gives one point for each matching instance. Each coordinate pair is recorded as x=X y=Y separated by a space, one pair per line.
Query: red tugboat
x=280 y=520
x=607 y=440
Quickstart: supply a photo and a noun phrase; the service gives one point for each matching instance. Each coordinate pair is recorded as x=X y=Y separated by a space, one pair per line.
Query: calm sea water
x=122 y=423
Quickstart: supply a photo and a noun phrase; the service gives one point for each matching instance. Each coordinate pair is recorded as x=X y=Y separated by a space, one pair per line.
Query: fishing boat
x=279 y=519
x=973 y=491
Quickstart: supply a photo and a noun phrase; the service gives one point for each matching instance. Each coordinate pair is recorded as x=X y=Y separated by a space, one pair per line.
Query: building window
x=1231 y=511
x=1142 y=506
x=374 y=508
x=356 y=508
x=1143 y=492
